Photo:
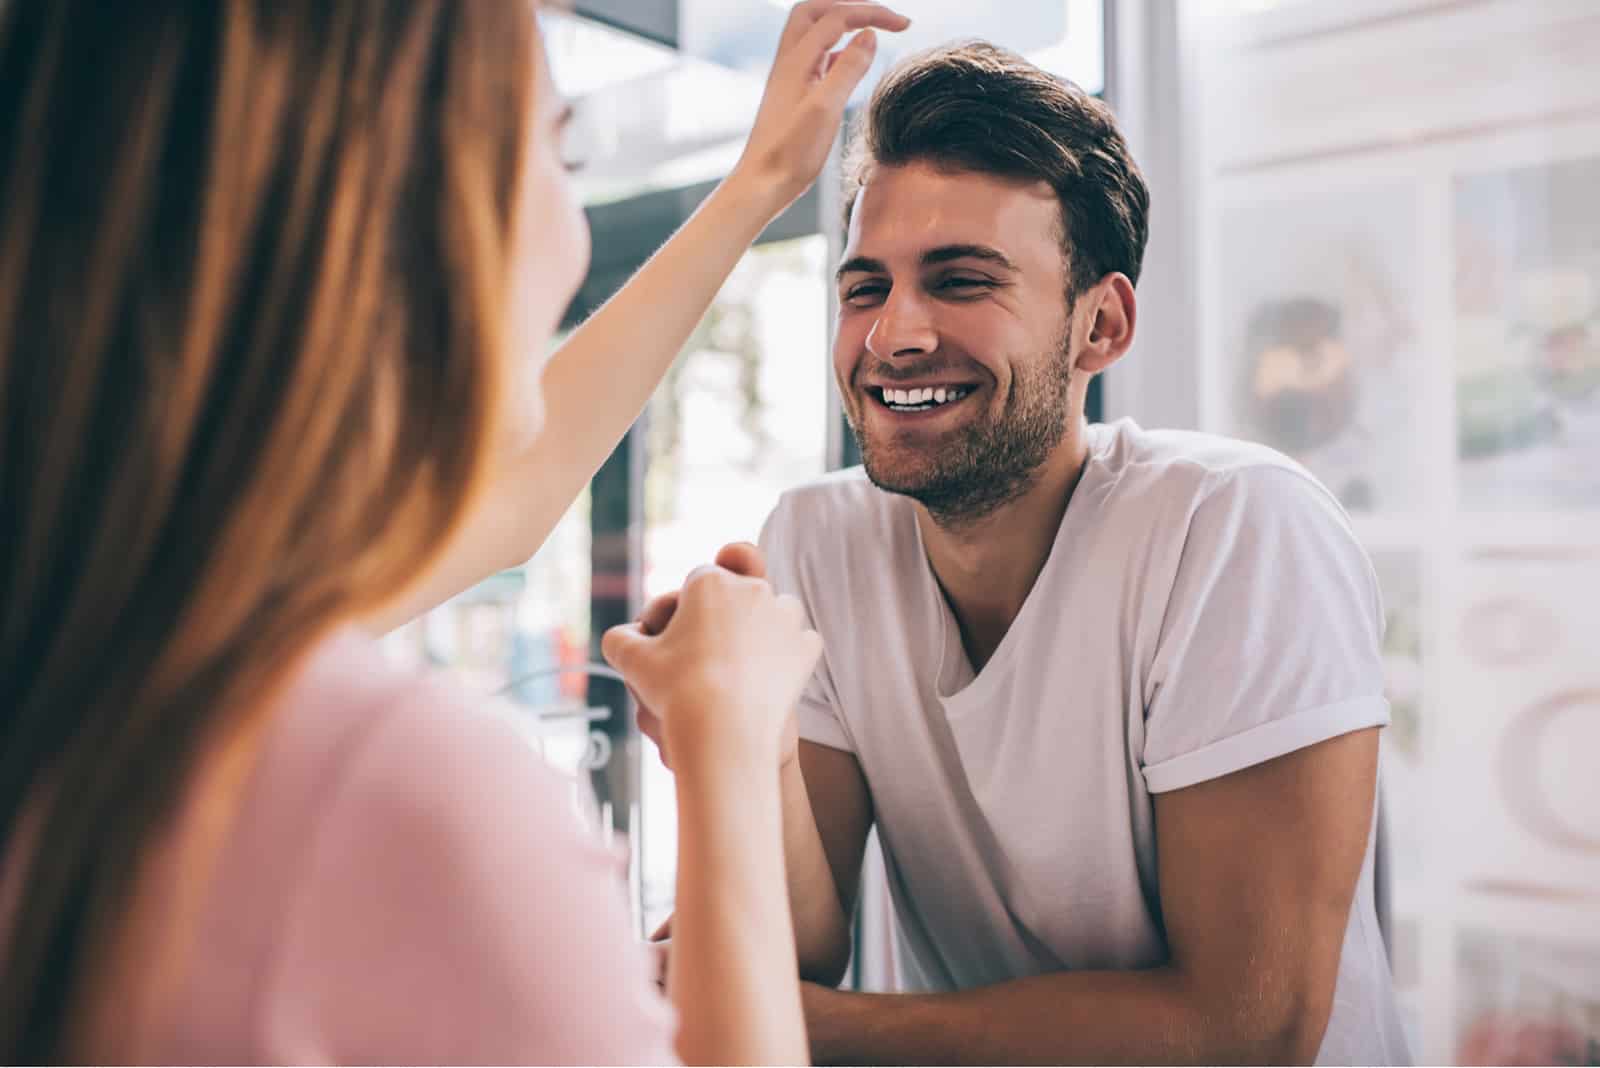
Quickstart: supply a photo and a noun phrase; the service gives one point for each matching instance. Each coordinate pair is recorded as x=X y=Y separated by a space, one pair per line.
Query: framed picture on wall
x=1523 y=1000
x=1527 y=336
x=1524 y=721
x=1317 y=336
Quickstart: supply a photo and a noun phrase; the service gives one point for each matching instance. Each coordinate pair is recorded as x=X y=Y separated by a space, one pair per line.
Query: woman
x=264 y=269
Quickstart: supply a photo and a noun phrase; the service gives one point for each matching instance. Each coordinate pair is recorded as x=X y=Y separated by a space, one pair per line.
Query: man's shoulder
x=1182 y=455
x=844 y=487
x=1189 y=468
x=839 y=531
x=843 y=500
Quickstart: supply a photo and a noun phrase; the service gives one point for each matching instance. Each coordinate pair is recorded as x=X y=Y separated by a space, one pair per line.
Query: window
x=742 y=416
x=739 y=419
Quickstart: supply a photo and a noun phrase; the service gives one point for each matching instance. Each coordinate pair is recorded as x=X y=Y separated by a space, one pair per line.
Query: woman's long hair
x=253 y=277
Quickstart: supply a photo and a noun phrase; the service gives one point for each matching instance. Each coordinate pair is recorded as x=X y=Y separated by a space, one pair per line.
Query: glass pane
x=651 y=119
x=1063 y=36
x=739 y=420
x=1399 y=257
x=1320 y=334
x=1527 y=306
x=648 y=118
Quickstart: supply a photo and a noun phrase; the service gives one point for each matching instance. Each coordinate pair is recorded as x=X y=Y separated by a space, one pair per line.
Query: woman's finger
x=743 y=558
x=805 y=59
x=801 y=16
x=845 y=70
x=658 y=613
x=625 y=647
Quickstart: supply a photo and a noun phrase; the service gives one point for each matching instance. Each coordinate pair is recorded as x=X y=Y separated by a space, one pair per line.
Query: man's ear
x=1111 y=313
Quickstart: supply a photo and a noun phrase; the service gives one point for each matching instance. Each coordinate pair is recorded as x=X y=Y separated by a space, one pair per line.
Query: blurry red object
x=1498 y=1038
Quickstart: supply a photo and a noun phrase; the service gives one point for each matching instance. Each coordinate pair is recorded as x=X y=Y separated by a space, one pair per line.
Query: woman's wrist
x=719 y=746
x=753 y=193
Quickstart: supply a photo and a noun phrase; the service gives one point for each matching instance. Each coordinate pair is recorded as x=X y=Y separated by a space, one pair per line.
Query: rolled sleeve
x=1272 y=739
x=1272 y=639
x=818 y=724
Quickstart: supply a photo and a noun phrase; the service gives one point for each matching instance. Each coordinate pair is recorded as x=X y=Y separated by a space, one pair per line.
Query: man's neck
x=988 y=566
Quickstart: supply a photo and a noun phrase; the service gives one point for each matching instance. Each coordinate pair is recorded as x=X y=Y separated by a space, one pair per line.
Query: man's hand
x=741 y=558
x=659 y=946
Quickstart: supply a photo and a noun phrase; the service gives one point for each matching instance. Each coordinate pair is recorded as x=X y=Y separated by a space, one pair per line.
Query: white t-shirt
x=1205 y=607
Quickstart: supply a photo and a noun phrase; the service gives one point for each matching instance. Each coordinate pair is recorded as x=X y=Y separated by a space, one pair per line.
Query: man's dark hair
x=975 y=107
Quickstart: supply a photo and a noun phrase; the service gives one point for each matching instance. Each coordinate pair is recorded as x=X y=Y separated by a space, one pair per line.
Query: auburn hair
x=975 y=107
x=253 y=285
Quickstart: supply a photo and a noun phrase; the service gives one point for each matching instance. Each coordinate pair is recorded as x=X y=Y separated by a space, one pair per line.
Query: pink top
x=406 y=883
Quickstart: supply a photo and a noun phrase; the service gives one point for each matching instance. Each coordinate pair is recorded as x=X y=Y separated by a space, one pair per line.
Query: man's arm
x=1257 y=874
x=827 y=812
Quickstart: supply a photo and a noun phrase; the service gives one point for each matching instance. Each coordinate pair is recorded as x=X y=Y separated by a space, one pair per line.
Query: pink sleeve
x=453 y=911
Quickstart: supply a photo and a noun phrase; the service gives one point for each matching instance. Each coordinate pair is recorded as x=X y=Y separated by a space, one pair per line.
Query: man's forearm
x=822 y=930
x=1153 y=1016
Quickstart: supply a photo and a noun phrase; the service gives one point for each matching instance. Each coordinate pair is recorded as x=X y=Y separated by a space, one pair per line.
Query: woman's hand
x=718 y=670
x=722 y=674
x=806 y=93
x=742 y=558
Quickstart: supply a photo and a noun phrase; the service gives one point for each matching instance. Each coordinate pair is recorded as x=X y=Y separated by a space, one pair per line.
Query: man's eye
x=966 y=283
x=866 y=292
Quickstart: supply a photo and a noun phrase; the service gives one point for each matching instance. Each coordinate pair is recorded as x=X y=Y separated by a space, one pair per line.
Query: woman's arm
x=597 y=383
x=733 y=971
x=722 y=676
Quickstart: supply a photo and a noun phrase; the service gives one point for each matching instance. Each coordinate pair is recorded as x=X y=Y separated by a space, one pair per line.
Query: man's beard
x=989 y=462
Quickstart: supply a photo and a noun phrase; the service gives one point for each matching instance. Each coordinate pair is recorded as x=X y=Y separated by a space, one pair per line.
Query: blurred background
x=1375 y=246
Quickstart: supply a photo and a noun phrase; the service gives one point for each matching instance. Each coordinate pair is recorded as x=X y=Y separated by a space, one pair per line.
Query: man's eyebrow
x=860 y=265
x=946 y=253
x=942 y=254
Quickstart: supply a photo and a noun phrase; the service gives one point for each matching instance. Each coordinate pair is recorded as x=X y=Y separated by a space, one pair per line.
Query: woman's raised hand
x=807 y=90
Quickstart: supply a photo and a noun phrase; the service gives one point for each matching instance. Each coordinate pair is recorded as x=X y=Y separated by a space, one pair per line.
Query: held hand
x=806 y=93
x=659 y=948
x=724 y=673
x=741 y=558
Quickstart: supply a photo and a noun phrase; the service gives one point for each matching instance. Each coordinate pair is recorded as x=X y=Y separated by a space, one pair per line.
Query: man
x=1110 y=696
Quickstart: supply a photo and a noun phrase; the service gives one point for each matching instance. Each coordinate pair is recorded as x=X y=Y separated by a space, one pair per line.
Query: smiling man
x=1111 y=696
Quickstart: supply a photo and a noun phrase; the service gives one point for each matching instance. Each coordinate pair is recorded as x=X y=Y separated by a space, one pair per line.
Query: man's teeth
x=911 y=398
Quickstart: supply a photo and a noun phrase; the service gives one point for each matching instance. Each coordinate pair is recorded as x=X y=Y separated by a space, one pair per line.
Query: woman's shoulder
x=406 y=768
x=351 y=720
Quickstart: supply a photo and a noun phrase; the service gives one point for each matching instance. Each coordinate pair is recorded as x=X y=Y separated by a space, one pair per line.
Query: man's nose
x=904 y=327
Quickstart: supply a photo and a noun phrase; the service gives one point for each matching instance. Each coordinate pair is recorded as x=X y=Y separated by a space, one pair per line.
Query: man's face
x=953 y=289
